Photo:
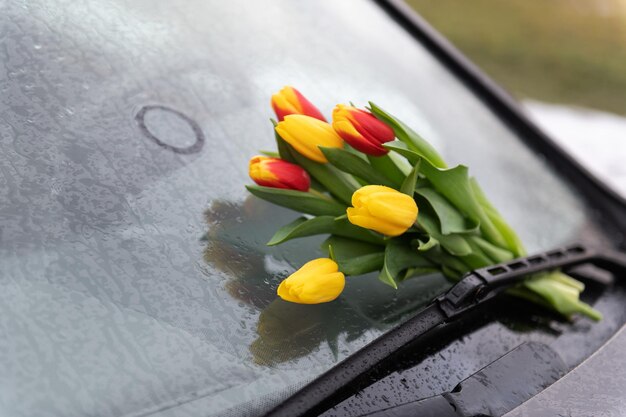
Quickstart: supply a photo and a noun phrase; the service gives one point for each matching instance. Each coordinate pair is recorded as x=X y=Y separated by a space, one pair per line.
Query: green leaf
x=451 y=273
x=385 y=165
x=429 y=244
x=354 y=257
x=399 y=257
x=353 y=151
x=558 y=290
x=451 y=220
x=454 y=184
x=455 y=244
x=317 y=186
x=567 y=280
x=452 y=266
x=283 y=149
x=302 y=227
x=408 y=185
x=420 y=271
x=331 y=253
x=427 y=219
x=298 y=200
x=272 y=154
x=344 y=228
x=513 y=242
x=477 y=258
x=348 y=162
x=336 y=182
x=495 y=253
x=410 y=137
x=402 y=149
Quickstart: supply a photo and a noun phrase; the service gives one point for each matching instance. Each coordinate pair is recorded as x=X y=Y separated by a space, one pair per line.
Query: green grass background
x=559 y=51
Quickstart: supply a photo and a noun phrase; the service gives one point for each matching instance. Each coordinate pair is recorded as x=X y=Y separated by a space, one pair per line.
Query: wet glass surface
x=133 y=266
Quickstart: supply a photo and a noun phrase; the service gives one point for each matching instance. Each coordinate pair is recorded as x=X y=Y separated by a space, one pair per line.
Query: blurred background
x=565 y=60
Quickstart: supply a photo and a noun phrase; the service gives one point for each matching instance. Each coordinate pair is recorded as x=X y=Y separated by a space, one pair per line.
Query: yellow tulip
x=306 y=134
x=382 y=209
x=317 y=281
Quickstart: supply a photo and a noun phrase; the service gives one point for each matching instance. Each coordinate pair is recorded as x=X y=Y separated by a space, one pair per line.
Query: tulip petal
x=319 y=266
x=357 y=141
x=300 y=145
x=290 y=101
x=276 y=173
x=324 y=289
x=361 y=129
x=396 y=208
x=289 y=175
x=373 y=223
x=362 y=195
x=283 y=107
x=306 y=107
x=317 y=281
x=306 y=134
x=372 y=128
x=382 y=209
x=284 y=293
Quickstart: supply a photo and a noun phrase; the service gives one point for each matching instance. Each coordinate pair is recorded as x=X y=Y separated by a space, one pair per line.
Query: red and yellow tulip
x=306 y=134
x=290 y=101
x=383 y=210
x=362 y=130
x=317 y=281
x=276 y=173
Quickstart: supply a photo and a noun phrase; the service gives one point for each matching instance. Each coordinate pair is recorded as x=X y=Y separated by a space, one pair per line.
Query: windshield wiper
x=471 y=292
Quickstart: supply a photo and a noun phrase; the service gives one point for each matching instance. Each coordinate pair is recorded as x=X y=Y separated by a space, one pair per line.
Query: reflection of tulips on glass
x=370 y=177
x=285 y=330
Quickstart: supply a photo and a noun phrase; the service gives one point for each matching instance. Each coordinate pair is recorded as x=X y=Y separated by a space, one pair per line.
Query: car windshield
x=134 y=273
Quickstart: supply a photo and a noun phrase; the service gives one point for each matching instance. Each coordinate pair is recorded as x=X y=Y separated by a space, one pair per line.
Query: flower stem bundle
x=389 y=203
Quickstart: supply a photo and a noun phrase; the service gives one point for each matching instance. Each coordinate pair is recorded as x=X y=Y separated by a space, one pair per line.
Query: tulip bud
x=274 y=172
x=382 y=209
x=317 y=281
x=361 y=129
x=290 y=101
x=307 y=134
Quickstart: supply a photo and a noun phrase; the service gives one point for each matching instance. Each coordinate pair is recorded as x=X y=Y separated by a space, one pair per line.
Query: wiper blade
x=469 y=293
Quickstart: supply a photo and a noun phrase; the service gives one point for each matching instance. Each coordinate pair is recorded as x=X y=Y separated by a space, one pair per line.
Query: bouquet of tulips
x=389 y=203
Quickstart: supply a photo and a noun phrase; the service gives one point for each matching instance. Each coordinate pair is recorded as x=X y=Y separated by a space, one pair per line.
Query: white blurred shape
x=597 y=139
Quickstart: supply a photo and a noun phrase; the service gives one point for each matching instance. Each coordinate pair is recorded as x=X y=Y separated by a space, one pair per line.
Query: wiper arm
x=484 y=283
x=469 y=293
